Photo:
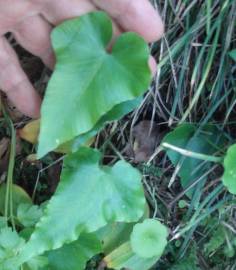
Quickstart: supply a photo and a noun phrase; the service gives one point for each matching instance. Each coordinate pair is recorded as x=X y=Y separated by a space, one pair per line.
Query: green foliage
x=117 y=196
x=229 y=177
x=3 y=222
x=182 y=204
x=117 y=112
x=216 y=241
x=28 y=215
x=144 y=247
x=149 y=238
x=229 y=251
x=97 y=86
x=186 y=137
x=195 y=83
x=219 y=244
x=91 y=80
x=190 y=261
x=18 y=194
x=36 y=263
x=114 y=235
x=75 y=255
x=125 y=257
x=232 y=54
x=10 y=245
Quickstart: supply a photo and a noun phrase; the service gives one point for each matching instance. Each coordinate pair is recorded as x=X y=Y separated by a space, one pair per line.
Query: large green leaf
x=88 y=197
x=184 y=136
x=229 y=177
x=116 y=113
x=75 y=255
x=88 y=80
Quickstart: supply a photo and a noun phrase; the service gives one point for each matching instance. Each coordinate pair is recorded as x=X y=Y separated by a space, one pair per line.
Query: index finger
x=14 y=82
x=134 y=15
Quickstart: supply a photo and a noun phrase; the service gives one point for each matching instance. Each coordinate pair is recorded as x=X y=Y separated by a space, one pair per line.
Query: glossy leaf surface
x=89 y=81
x=112 y=194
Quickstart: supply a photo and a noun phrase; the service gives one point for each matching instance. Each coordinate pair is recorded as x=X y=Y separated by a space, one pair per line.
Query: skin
x=31 y=22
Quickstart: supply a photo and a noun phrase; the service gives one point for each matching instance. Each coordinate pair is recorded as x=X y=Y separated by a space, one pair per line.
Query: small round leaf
x=149 y=238
x=229 y=177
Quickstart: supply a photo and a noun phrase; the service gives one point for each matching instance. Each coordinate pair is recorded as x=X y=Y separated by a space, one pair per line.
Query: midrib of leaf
x=89 y=76
x=104 y=58
x=92 y=79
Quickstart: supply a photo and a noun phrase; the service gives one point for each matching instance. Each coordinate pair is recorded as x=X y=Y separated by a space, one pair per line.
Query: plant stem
x=191 y=154
x=8 y=196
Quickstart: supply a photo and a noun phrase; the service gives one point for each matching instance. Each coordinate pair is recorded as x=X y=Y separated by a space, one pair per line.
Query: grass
x=195 y=83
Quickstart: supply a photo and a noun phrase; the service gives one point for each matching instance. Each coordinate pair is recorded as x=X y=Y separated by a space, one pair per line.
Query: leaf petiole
x=191 y=154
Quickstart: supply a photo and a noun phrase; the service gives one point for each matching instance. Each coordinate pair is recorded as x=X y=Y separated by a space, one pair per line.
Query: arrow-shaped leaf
x=88 y=80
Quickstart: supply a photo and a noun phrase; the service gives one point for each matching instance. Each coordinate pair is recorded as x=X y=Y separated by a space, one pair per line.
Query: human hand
x=31 y=22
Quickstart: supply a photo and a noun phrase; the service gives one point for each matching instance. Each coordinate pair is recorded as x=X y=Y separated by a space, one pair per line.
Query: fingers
x=15 y=83
x=34 y=35
x=56 y=11
x=14 y=10
x=153 y=65
x=134 y=15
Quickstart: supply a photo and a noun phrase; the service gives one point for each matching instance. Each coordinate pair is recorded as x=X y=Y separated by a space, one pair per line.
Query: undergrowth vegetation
x=148 y=178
